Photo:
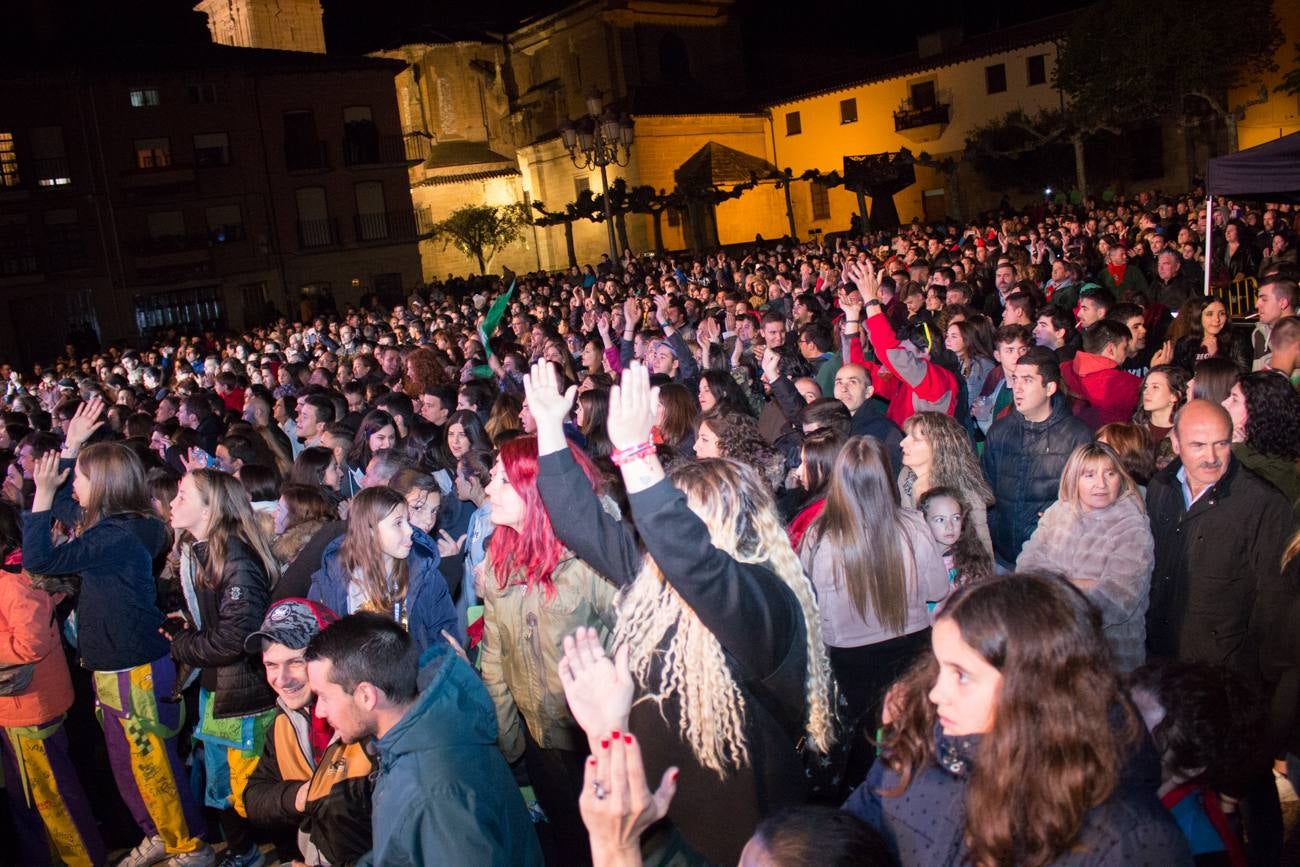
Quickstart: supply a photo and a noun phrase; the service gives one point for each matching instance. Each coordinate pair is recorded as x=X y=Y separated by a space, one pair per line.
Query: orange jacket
x=30 y=634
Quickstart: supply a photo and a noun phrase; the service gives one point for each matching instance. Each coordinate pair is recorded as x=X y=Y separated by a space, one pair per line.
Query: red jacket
x=909 y=382
x=29 y=634
x=1099 y=392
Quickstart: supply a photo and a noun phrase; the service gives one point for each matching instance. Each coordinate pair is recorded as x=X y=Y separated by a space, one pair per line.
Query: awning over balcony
x=717 y=165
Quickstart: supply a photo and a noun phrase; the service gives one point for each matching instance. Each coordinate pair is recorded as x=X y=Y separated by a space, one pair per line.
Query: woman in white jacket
x=1098 y=536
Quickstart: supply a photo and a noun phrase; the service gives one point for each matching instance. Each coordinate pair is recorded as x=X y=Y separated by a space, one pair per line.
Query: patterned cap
x=291 y=622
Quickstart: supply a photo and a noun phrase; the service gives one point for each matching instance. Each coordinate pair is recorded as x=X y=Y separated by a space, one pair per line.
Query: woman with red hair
x=425 y=368
x=535 y=593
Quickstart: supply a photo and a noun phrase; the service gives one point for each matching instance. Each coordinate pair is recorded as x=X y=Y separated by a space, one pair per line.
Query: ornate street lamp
x=600 y=139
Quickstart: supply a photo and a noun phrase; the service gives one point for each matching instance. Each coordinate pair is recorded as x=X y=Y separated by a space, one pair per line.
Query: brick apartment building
x=195 y=188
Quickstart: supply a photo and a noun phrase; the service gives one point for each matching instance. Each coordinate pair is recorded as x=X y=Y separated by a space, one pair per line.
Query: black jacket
x=230 y=611
x=1217 y=593
x=925 y=825
x=756 y=619
x=1023 y=461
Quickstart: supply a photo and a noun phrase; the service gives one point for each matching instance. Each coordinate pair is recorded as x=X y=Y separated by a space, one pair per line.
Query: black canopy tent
x=1269 y=172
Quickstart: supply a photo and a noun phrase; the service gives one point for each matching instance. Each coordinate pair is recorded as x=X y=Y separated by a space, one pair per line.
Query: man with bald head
x=854 y=389
x=1217 y=590
x=1219 y=535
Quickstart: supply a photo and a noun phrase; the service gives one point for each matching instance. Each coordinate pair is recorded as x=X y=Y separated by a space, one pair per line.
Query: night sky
x=780 y=47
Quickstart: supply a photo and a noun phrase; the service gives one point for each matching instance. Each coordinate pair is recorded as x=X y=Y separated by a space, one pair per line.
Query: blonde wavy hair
x=741 y=517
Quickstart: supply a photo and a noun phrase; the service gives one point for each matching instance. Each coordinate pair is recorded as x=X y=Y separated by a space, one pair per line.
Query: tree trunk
x=657 y=218
x=620 y=224
x=1230 y=127
x=568 y=243
x=482 y=264
x=1080 y=169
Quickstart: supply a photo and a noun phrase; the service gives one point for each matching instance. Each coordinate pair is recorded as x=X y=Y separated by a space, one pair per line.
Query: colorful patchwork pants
x=46 y=799
x=141 y=735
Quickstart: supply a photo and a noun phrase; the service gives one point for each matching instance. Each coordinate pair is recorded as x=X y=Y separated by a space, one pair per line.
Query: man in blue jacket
x=444 y=794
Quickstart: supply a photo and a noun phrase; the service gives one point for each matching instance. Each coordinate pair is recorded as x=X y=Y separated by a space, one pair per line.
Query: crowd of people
x=965 y=543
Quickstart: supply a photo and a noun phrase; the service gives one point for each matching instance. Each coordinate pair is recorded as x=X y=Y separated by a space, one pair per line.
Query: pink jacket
x=29 y=633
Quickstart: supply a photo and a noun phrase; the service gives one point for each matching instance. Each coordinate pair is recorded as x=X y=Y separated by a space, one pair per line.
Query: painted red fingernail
x=674 y=777
x=627 y=739
x=604 y=745
x=615 y=736
x=591 y=760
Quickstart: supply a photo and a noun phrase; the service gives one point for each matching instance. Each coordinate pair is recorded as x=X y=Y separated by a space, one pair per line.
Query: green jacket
x=443 y=793
x=523 y=635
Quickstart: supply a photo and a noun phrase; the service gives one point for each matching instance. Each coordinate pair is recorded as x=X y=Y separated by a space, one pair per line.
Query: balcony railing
x=308 y=159
x=909 y=116
x=318 y=233
x=149 y=246
x=391 y=225
x=363 y=150
x=51 y=171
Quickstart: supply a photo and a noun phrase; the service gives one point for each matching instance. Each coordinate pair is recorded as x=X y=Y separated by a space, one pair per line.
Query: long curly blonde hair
x=741 y=518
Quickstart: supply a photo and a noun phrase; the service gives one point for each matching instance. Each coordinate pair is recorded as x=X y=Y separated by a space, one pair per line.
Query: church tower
x=285 y=25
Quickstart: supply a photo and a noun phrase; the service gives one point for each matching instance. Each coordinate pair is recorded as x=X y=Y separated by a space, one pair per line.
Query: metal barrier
x=1238 y=296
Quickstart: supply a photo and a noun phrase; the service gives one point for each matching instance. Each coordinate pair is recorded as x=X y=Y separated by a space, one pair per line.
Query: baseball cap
x=292 y=622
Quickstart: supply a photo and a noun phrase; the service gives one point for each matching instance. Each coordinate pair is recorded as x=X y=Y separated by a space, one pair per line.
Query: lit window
x=8 y=161
x=49 y=157
x=153 y=153
x=144 y=97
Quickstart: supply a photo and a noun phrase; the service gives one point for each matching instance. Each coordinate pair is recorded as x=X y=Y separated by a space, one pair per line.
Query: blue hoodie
x=429 y=608
x=443 y=793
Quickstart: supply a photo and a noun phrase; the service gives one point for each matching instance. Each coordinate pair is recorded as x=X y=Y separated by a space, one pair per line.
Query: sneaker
x=204 y=856
x=252 y=858
x=150 y=851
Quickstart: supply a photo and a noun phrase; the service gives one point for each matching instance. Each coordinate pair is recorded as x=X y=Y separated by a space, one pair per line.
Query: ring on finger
x=598 y=788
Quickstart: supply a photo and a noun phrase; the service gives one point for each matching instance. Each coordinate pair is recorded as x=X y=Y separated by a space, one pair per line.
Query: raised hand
x=616 y=804
x=771 y=365
x=548 y=406
x=84 y=422
x=599 y=689
x=449 y=547
x=632 y=408
x=631 y=313
x=1163 y=355
x=865 y=277
x=46 y=473
x=602 y=325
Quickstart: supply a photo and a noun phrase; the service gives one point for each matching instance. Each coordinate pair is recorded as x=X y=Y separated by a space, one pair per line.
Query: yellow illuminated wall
x=1280 y=115
x=824 y=140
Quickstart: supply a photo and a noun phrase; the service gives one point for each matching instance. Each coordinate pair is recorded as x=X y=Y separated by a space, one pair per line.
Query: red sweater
x=1099 y=392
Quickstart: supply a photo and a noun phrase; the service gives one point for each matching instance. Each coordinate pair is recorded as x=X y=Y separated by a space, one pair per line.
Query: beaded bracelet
x=632 y=453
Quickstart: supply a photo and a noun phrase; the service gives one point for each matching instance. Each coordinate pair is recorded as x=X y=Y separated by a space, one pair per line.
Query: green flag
x=493 y=318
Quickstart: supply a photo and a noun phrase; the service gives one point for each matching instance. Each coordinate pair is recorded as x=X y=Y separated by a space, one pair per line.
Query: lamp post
x=599 y=139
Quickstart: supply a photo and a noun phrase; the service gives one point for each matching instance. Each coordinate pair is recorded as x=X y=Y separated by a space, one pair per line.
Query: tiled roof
x=1007 y=39
x=444 y=180
x=450 y=154
x=716 y=164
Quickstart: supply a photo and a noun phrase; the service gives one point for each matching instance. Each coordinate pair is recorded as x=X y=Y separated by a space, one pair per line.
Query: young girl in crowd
x=226 y=574
x=48 y=806
x=380 y=565
x=378 y=431
x=1013 y=742
x=117 y=622
x=963 y=553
